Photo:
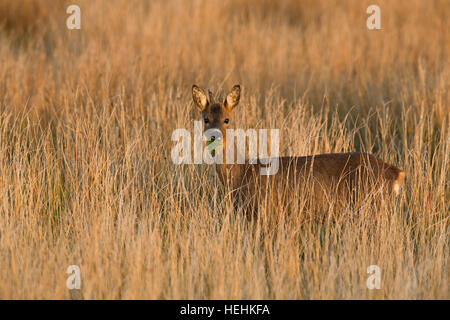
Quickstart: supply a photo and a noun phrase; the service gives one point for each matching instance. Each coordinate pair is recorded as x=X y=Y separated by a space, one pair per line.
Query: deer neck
x=230 y=173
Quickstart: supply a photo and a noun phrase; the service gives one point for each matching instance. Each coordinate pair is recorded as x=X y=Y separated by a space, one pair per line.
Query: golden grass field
x=86 y=118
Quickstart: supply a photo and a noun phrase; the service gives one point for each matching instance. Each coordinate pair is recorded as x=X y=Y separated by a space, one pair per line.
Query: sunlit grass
x=86 y=118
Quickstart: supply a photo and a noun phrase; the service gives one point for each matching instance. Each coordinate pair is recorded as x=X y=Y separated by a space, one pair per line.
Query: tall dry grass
x=85 y=124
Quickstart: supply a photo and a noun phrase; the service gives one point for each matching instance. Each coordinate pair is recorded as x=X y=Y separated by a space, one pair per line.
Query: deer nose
x=213 y=134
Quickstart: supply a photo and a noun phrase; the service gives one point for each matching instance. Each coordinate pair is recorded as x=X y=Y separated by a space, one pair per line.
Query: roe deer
x=336 y=176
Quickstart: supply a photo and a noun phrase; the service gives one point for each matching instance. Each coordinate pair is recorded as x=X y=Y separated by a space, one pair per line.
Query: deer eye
x=206 y=120
x=227 y=120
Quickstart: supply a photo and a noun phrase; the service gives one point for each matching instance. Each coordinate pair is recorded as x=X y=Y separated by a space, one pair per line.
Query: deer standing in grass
x=326 y=177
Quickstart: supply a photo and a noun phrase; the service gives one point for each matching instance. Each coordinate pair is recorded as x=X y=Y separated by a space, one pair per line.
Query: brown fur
x=332 y=178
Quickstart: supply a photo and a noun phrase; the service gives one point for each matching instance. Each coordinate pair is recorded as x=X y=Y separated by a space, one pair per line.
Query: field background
x=86 y=118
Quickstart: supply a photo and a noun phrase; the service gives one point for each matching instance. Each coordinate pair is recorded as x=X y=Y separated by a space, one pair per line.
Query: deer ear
x=233 y=97
x=199 y=97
